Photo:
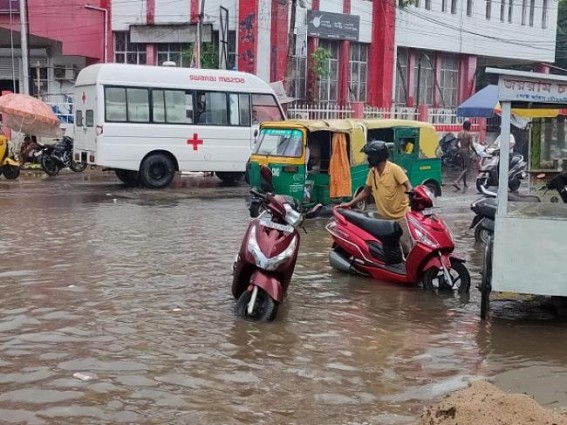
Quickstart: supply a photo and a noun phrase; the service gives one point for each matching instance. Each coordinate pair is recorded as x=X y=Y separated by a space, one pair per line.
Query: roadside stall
x=529 y=238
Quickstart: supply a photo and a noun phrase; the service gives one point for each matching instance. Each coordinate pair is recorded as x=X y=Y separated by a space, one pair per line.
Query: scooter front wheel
x=481 y=235
x=265 y=307
x=434 y=278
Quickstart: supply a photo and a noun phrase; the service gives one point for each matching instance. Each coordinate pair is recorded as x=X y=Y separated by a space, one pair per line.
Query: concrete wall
x=433 y=29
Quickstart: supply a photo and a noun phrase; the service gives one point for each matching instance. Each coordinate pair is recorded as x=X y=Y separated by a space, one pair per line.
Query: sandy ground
x=484 y=404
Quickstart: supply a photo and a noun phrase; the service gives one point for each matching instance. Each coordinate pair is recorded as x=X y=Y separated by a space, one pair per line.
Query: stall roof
x=533 y=90
x=484 y=104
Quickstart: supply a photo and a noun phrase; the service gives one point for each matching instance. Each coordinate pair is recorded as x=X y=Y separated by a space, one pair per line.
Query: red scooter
x=264 y=266
x=371 y=247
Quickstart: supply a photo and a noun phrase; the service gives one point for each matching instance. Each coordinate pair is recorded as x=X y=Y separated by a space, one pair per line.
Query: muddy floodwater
x=116 y=308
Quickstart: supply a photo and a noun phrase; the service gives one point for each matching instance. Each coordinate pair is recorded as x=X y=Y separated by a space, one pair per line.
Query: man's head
x=377 y=152
x=467 y=125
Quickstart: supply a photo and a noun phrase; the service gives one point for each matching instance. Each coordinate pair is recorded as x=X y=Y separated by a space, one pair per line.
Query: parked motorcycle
x=369 y=246
x=30 y=151
x=485 y=207
x=448 y=151
x=265 y=263
x=58 y=156
x=489 y=171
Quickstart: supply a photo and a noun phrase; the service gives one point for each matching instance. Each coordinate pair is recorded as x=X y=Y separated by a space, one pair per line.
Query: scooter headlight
x=269 y=264
x=293 y=217
x=420 y=235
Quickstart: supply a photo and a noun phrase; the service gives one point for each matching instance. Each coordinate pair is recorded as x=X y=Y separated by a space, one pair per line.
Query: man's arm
x=363 y=194
x=407 y=185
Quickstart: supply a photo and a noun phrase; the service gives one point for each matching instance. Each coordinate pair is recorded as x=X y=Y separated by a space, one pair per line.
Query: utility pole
x=198 y=47
x=290 y=47
x=25 y=89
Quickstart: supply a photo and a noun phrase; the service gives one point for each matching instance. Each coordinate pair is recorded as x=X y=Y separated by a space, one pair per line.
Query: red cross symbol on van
x=195 y=141
x=84 y=97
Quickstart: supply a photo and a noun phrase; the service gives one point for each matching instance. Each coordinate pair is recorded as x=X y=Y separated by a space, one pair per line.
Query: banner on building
x=334 y=26
x=9 y=6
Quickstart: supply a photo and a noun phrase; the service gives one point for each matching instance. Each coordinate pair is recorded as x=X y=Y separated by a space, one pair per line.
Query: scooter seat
x=389 y=229
x=486 y=207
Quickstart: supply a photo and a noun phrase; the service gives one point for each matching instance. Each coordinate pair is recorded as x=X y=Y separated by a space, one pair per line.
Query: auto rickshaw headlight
x=293 y=217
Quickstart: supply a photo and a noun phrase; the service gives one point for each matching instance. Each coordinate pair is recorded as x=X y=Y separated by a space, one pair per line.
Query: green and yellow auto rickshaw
x=412 y=145
x=312 y=161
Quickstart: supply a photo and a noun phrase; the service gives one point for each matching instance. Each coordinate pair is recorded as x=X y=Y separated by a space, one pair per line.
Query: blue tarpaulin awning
x=481 y=104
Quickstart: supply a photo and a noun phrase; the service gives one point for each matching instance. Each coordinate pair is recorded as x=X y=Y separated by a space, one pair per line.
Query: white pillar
x=504 y=159
x=25 y=88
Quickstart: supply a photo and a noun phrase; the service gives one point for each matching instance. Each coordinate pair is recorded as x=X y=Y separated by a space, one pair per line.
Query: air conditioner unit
x=64 y=73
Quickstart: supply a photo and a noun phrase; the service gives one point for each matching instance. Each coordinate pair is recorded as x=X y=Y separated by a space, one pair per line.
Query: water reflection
x=133 y=291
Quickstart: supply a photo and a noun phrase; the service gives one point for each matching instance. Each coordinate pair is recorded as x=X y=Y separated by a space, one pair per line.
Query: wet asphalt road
x=116 y=308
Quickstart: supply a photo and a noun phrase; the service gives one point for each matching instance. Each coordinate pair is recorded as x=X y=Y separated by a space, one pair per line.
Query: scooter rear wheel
x=265 y=308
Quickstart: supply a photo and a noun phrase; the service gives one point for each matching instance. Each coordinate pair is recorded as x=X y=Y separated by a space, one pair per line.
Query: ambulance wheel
x=157 y=171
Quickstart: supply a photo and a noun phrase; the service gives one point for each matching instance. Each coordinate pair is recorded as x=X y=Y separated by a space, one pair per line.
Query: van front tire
x=157 y=171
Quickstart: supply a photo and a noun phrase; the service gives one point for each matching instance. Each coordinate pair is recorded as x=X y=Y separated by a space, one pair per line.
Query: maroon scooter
x=263 y=268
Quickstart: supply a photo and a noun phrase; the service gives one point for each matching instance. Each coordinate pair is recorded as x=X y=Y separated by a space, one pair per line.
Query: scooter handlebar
x=487 y=192
x=257 y=193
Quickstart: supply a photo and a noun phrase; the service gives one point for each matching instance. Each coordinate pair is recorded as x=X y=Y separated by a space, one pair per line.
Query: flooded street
x=116 y=308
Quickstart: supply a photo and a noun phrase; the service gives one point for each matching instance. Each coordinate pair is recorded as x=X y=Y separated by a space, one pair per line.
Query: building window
x=358 y=67
x=126 y=52
x=524 y=8
x=502 y=10
x=488 y=9
x=532 y=12
x=510 y=10
x=329 y=83
x=424 y=79
x=544 y=14
x=38 y=81
x=449 y=81
x=453 y=7
x=469 y=7
x=428 y=4
x=402 y=77
x=298 y=78
x=443 y=5
x=180 y=53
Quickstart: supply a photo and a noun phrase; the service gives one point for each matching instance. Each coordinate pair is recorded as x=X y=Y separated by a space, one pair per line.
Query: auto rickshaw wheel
x=229 y=178
x=11 y=172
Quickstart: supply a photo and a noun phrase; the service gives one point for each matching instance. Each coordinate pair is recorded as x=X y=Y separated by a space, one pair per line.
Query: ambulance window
x=115 y=104
x=138 y=105
x=239 y=112
x=79 y=118
x=89 y=121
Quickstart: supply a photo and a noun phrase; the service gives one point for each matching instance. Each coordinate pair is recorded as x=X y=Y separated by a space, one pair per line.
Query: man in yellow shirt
x=388 y=183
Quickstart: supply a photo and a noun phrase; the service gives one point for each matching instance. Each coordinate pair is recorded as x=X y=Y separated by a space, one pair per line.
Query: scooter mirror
x=266 y=179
